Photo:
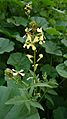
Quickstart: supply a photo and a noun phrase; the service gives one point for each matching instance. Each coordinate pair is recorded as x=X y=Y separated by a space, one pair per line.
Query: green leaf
x=6 y=45
x=18 y=100
x=20 y=39
x=42 y=22
x=52 y=31
x=52 y=92
x=62 y=23
x=36 y=104
x=52 y=82
x=64 y=42
x=42 y=85
x=65 y=62
x=65 y=55
x=16 y=111
x=18 y=21
x=50 y=71
x=23 y=100
x=19 y=61
x=52 y=48
x=48 y=97
x=10 y=33
x=62 y=70
x=48 y=2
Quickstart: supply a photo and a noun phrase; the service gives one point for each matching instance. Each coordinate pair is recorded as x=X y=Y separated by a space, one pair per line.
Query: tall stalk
x=34 y=66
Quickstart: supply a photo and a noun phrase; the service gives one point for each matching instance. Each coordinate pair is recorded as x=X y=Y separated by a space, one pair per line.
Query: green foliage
x=14 y=111
x=60 y=112
x=49 y=70
x=41 y=22
x=19 y=61
x=52 y=48
x=62 y=70
x=6 y=45
x=18 y=21
x=32 y=76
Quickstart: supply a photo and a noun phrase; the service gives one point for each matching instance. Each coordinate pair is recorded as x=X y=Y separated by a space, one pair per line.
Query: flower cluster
x=32 y=38
x=28 y=8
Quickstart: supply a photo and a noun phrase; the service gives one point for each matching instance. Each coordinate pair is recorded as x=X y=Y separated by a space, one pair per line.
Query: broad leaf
x=52 y=31
x=8 y=32
x=19 y=61
x=18 y=21
x=48 y=2
x=20 y=39
x=65 y=62
x=52 y=48
x=50 y=71
x=62 y=70
x=42 y=22
x=65 y=55
x=64 y=42
x=6 y=45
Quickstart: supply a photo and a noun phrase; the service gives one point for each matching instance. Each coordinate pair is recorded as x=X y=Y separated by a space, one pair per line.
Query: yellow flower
x=26 y=30
x=33 y=38
x=41 y=38
x=33 y=47
x=28 y=38
x=28 y=8
x=39 y=30
x=40 y=56
x=36 y=39
x=24 y=45
x=29 y=57
x=40 y=42
x=28 y=46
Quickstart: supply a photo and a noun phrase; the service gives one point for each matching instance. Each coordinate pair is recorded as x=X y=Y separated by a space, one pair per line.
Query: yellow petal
x=36 y=39
x=36 y=67
x=41 y=55
x=24 y=46
x=40 y=42
x=33 y=47
x=29 y=56
x=26 y=30
x=39 y=30
x=41 y=38
x=28 y=46
x=28 y=37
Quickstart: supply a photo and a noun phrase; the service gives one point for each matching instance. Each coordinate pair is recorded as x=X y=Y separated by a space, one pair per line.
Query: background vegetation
x=51 y=16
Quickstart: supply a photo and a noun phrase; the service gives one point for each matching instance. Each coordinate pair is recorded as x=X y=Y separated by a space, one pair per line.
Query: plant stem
x=43 y=95
x=34 y=65
x=61 y=81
